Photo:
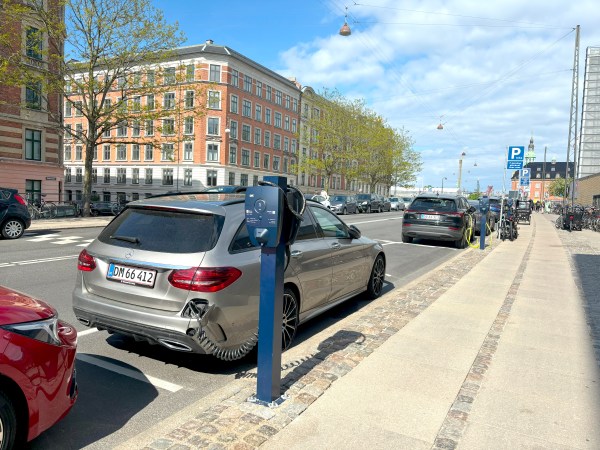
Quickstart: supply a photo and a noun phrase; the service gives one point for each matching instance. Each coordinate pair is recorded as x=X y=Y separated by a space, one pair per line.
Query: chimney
x=209 y=41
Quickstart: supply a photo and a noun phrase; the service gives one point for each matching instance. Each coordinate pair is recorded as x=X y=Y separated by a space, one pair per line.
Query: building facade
x=30 y=136
x=250 y=130
x=589 y=146
x=542 y=175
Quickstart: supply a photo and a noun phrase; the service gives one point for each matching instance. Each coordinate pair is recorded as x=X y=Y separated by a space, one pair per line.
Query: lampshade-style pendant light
x=345 y=30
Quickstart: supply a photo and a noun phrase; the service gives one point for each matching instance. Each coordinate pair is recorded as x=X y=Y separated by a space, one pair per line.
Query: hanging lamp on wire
x=345 y=30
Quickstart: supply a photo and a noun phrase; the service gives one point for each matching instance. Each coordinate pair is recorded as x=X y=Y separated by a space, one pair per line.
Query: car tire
x=94 y=213
x=13 y=229
x=8 y=423
x=290 y=318
x=344 y=211
x=462 y=242
x=406 y=239
x=368 y=209
x=375 y=286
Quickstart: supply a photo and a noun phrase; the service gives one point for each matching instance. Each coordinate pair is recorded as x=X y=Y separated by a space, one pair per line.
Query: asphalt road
x=126 y=386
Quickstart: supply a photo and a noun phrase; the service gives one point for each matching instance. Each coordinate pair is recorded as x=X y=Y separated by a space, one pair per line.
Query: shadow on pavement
x=588 y=273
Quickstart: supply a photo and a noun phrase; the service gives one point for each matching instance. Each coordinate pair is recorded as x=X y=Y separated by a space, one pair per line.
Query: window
x=67 y=175
x=94 y=175
x=246 y=108
x=257 y=159
x=294 y=146
x=285 y=165
x=79 y=130
x=255 y=180
x=67 y=153
x=188 y=125
x=137 y=80
x=234 y=104
x=232 y=155
x=150 y=102
x=276 y=141
x=247 y=83
x=190 y=72
x=243 y=179
x=215 y=73
x=168 y=126
x=295 y=105
x=121 y=152
x=136 y=104
x=267 y=138
x=294 y=126
x=135 y=176
x=167 y=152
x=169 y=100
x=245 y=157
x=106 y=133
x=259 y=89
x=257 y=136
x=189 y=99
x=212 y=153
x=268 y=91
x=78 y=175
x=233 y=129
x=106 y=196
x=78 y=153
x=148 y=176
x=286 y=123
x=33 y=144
x=169 y=75
x=150 y=77
x=122 y=129
x=267 y=116
x=275 y=163
x=258 y=113
x=211 y=177
x=287 y=102
x=78 y=108
x=245 y=133
x=188 y=151
x=214 y=99
x=135 y=128
x=121 y=176
x=149 y=127
x=106 y=178
x=149 y=152
x=68 y=108
x=235 y=78
x=33 y=95
x=277 y=119
x=278 y=97
x=231 y=178
x=187 y=177
x=106 y=152
x=286 y=144
x=266 y=161
x=213 y=126
x=33 y=44
x=167 y=177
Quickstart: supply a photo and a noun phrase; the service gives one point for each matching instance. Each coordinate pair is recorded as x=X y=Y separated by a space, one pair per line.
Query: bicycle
x=41 y=209
x=117 y=207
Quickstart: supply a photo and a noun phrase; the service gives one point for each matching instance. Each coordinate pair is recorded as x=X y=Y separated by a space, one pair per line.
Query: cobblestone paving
x=237 y=424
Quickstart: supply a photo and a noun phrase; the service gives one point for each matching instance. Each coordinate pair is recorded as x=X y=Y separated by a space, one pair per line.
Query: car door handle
x=296 y=253
x=335 y=245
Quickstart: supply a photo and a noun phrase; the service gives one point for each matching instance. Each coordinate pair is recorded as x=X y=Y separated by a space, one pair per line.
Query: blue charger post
x=485 y=210
x=270 y=316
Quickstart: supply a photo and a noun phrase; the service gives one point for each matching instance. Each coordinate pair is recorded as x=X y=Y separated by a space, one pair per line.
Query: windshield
x=433 y=204
x=338 y=198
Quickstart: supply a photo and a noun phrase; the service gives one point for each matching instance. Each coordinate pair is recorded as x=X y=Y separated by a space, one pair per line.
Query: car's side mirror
x=471 y=209
x=354 y=232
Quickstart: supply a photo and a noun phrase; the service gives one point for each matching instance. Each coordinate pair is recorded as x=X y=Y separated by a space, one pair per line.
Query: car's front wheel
x=406 y=239
x=377 y=278
x=8 y=423
x=13 y=229
x=290 y=318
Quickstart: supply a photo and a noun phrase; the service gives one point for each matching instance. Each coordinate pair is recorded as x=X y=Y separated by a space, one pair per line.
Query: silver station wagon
x=180 y=271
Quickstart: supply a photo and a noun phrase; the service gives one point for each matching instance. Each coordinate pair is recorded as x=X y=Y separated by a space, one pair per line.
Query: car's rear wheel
x=8 y=423
x=406 y=239
x=344 y=211
x=13 y=229
x=290 y=318
x=462 y=242
x=368 y=209
x=377 y=278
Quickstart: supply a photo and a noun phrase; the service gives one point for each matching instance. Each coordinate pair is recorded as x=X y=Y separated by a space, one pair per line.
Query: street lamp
x=445 y=178
x=460 y=161
x=345 y=30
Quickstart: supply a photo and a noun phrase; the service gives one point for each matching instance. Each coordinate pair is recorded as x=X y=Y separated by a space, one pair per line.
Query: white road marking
x=67 y=240
x=376 y=220
x=43 y=260
x=140 y=376
x=85 y=243
x=43 y=238
x=86 y=332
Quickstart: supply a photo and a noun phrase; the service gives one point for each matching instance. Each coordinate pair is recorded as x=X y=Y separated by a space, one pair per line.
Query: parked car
x=369 y=203
x=181 y=272
x=407 y=201
x=343 y=204
x=102 y=208
x=225 y=189
x=443 y=217
x=396 y=204
x=14 y=215
x=38 y=386
x=494 y=207
x=386 y=204
x=491 y=221
x=319 y=198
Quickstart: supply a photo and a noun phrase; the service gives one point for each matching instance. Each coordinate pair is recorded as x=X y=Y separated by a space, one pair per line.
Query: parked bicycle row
x=577 y=218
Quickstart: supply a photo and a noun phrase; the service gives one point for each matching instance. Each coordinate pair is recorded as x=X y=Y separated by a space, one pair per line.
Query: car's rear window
x=433 y=204
x=163 y=231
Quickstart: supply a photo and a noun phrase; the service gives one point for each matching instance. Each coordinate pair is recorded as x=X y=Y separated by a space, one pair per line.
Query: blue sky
x=494 y=73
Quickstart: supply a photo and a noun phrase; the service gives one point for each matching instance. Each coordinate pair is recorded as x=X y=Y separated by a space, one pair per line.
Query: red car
x=37 y=368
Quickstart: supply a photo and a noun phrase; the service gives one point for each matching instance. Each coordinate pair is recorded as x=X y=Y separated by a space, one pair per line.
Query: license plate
x=430 y=216
x=131 y=275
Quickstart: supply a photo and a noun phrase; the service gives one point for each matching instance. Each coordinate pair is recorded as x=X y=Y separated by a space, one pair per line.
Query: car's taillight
x=20 y=199
x=86 y=262
x=209 y=279
x=571 y=217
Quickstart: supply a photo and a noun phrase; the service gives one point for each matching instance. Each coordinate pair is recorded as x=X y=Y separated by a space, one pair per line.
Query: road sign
x=515 y=157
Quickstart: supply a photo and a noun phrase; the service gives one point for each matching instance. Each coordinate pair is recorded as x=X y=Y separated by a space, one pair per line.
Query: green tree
x=110 y=47
x=558 y=188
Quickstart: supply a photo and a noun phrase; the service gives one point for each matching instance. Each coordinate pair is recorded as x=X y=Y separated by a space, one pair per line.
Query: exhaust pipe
x=86 y=322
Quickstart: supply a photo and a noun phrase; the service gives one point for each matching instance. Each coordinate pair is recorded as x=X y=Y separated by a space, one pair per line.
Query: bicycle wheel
x=116 y=208
x=33 y=212
x=49 y=210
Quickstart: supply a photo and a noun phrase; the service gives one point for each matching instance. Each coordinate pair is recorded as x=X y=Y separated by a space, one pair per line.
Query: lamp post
x=443 y=184
x=460 y=161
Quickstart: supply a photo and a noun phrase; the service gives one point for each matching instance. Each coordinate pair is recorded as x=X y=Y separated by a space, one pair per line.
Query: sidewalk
x=496 y=349
x=69 y=222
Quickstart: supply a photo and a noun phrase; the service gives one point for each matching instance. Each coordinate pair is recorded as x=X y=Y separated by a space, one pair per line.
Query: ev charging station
x=484 y=206
x=272 y=225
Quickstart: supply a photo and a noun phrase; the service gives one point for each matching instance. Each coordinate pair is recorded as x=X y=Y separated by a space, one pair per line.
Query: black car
x=102 y=208
x=439 y=217
x=14 y=216
x=224 y=189
x=369 y=203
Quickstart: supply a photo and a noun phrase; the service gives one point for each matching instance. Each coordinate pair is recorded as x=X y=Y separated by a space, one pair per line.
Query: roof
x=538 y=167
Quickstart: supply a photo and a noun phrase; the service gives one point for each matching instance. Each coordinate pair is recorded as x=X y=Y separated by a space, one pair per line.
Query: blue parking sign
x=515 y=157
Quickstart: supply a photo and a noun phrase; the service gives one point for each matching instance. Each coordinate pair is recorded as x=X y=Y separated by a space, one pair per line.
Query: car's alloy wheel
x=406 y=239
x=13 y=229
x=290 y=318
x=377 y=278
x=8 y=423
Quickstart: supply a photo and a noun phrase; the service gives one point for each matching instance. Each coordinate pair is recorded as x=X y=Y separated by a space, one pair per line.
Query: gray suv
x=180 y=271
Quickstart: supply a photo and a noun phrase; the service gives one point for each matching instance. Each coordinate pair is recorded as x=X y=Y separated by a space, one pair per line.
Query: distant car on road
x=14 y=215
x=101 y=209
x=396 y=204
x=37 y=368
x=386 y=204
x=319 y=198
x=343 y=204
x=368 y=203
x=407 y=201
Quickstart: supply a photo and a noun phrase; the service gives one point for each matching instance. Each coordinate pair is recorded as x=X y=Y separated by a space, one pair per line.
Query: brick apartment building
x=30 y=138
